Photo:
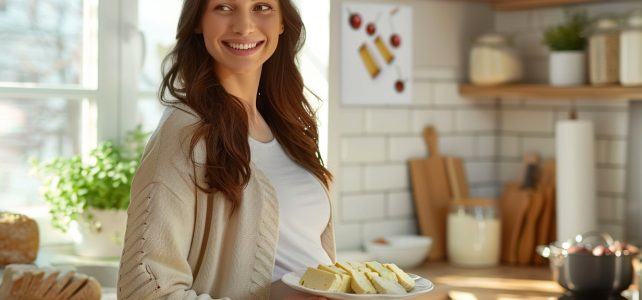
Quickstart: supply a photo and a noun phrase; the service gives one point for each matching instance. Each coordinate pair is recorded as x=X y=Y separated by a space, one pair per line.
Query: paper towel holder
x=573 y=113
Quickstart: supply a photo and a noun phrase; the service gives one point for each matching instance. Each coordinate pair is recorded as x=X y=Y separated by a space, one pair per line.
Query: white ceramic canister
x=631 y=50
x=494 y=60
x=474 y=233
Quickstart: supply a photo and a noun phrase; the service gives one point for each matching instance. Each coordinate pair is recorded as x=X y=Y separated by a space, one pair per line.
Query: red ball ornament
x=371 y=29
x=395 y=40
x=355 y=21
x=399 y=86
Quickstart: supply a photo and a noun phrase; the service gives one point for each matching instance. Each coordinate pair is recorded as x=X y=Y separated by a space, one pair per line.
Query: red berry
x=371 y=29
x=355 y=21
x=399 y=86
x=395 y=40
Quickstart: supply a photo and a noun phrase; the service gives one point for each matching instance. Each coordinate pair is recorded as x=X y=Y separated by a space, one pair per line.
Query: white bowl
x=405 y=251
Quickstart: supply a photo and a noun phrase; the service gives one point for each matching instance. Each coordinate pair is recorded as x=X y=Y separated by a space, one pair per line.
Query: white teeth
x=242 y=46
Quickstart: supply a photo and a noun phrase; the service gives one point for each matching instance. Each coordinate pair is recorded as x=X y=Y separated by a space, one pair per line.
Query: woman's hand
x=304 y=297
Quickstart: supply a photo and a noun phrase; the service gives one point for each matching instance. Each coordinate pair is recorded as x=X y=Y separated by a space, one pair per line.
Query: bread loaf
x=19 y=239
x=28 y=282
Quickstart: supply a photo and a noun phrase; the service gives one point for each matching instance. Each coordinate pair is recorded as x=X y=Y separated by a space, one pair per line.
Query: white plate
x=422 y=286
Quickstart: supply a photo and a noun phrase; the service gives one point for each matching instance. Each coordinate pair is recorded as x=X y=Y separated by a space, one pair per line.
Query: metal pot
x=584 y=274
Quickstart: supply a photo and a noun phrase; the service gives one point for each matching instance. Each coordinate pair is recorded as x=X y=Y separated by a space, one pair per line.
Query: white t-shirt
x=304 y=209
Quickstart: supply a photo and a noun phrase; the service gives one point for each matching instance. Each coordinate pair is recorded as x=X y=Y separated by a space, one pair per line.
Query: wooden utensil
x=432 y=194
x=457 y=178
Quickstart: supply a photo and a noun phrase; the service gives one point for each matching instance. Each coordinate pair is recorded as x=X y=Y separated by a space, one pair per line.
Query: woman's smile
x=243 y=47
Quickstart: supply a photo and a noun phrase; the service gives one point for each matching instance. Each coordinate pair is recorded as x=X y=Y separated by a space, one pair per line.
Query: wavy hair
x=188 y=76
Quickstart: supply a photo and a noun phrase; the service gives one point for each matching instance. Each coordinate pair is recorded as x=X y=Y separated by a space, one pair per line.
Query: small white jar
x=474 y=233
x=631 y=50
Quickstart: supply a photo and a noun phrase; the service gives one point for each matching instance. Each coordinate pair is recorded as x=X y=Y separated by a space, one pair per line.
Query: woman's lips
x=243 y=52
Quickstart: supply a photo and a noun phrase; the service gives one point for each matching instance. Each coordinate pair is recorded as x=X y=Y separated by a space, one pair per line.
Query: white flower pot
x=567 y=68
x=102 y=236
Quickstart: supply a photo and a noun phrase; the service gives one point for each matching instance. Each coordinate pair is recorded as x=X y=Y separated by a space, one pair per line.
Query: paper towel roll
x=576 y=189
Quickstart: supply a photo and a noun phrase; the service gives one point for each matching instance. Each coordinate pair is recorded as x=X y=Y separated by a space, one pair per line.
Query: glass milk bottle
x=474 y=233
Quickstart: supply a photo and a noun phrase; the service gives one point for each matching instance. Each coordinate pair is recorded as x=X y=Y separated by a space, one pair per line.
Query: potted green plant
x=89 y=196
x=567 y=42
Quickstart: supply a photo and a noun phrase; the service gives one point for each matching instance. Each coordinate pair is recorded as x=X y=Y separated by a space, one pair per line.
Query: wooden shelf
x=551 y=92
x=527 y=4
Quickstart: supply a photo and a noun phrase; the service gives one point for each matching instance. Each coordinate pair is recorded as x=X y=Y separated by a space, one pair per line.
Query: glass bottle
x=474 y=233
x=494 y=60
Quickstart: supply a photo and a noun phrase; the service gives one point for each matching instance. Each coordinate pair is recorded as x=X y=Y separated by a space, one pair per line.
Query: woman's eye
x=223 y=8
x=262 y=7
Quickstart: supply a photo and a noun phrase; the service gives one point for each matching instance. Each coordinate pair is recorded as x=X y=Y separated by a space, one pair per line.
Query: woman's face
x=241 y=34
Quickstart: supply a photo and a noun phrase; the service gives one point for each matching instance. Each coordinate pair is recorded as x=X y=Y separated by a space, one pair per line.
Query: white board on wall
x=376 y=65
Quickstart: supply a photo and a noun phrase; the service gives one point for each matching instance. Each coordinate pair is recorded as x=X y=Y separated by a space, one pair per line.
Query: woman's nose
x=243 y=23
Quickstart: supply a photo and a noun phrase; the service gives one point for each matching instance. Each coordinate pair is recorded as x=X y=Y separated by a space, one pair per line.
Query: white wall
x=369 y=146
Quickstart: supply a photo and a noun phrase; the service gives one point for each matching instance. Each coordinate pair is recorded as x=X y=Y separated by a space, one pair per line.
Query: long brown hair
x=223 y=124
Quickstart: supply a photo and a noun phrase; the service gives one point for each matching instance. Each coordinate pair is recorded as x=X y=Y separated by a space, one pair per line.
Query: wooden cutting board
x=510 y=207
x=528 y=236
x=514 y=205
x=432 y=195
x=547 y=185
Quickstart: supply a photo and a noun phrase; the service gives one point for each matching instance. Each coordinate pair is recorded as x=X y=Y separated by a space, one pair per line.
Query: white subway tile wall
x=363 y=149
x=351 y=179
x=387 y=120
x=491 y=135
x=363 y=207
x=386 y=177
x=400 y=204
x=527 y=125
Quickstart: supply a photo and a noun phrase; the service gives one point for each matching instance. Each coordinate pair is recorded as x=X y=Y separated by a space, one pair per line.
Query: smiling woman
x=233 y=166
x=234 y=32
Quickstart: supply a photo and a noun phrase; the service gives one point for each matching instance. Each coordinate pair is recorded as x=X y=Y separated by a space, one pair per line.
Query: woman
x=231 y=193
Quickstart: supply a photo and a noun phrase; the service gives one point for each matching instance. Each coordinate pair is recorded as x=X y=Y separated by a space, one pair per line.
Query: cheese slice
x=332 y=269
x=383 y=271
x=346 y=284
x=320 y=280
x=356 y=264
x=402 y=277
x=384 y=286
x=369 y=275
x=360 y=284
x=344 y=266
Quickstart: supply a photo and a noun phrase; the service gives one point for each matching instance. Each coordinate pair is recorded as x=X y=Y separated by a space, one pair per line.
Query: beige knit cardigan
x=181 y=245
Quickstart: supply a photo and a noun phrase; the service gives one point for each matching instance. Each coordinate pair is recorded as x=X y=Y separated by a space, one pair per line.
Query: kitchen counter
x=499 y=283
x=453 y=283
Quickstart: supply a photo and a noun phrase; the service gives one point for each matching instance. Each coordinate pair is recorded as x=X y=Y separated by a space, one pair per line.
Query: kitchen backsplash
x=371 y=145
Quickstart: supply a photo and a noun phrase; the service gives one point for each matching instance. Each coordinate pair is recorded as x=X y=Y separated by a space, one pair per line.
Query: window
x=48 y=72
x=67 y=81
